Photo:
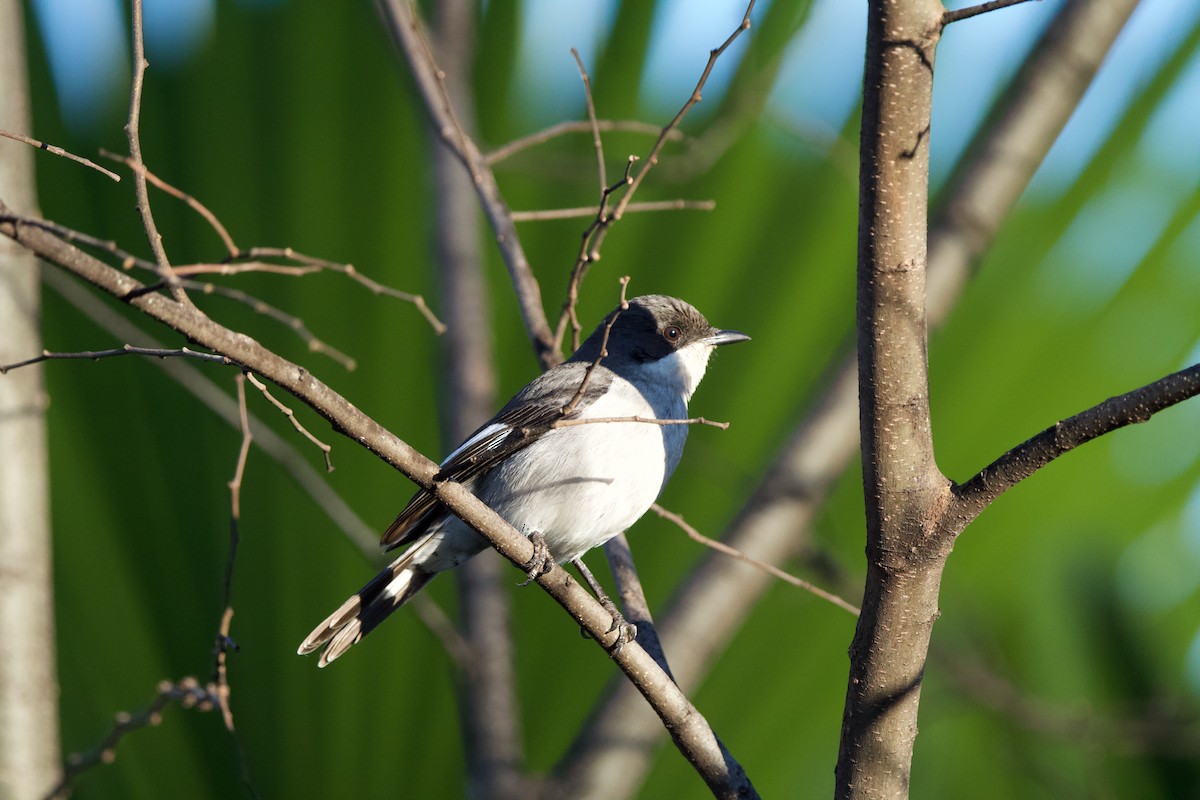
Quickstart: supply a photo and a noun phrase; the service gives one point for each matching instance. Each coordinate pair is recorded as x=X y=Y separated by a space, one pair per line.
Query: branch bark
x=29 y=741
x=409 y=35
x=901 y=481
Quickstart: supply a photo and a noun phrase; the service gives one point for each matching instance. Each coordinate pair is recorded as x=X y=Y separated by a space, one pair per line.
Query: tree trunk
x=30 y=760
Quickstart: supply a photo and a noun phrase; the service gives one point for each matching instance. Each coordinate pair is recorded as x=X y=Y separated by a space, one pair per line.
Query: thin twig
x=590 y=211
x=567 y=423
x=973 y=11
x=226 y=268
x=192 y=202
x=127 y=260
x=652 y=159
x=243 y=261
x=586 y=255
x=125 y=350
x=406 y=27
x=574 y=126
x=137 y=163
x=314 y=344
x=291 y=415
x=223 y=642
x=593 y=124
x=770 y=569
x=350 y=271
x=1062 y=437
x=54 y=149
x=188 y=692
x=587 y=374
x=594 y=236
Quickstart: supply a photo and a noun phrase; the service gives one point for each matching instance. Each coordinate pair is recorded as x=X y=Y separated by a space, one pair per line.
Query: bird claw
x=540 y=562
x=626 y=631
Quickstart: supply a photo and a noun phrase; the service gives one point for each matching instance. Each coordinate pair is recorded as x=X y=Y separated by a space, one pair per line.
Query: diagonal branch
x=55 y=150
x=1062 y=437
x=974 y=11
x=408 y=32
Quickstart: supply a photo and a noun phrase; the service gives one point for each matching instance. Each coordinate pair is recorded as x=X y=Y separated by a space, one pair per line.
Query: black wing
x=525 y=419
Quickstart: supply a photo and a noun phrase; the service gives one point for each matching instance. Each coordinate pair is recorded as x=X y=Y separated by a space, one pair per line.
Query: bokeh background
x=1074 y=597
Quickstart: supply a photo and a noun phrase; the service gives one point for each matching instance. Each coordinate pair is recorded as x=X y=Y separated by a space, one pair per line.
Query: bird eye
x=672 y=334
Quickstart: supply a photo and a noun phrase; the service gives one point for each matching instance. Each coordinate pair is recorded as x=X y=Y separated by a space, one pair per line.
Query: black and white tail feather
x=368 y=607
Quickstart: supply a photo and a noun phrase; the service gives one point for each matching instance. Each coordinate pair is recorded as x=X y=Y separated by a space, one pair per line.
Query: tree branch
x=408 y=33
x=137 y=163
x=55 y=150
x=973 y=11
x=1062 y=437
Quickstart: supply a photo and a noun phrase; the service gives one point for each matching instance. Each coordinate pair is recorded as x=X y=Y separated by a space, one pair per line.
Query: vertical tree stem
x=901 y=482
x=30 y=760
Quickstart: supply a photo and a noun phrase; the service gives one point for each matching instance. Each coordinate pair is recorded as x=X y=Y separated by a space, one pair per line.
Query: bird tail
x=365 y=609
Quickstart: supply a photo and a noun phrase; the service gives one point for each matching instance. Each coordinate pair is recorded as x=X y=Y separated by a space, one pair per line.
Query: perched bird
x=564 y=462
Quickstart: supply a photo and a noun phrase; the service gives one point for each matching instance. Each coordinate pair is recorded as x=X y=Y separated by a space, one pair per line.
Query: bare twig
x=228 y=268
x=188 y=692
x=127 y=260
x=594 y=236
x=306 y=265
x=54 y=149
x=408 y=31
x=593 y=123
x=652 y=159
x=590 y=211
x=1062 y=437
x=770 y=569
x=137 y=163
x=291 y=415
x=600 y=356
x=223 y=642
x=585 y=257
x=567 y=423
x=314 y=344
x=972 y=11
x=350 y=271
x=192 y=202
x=554 y=131
x=126 y=350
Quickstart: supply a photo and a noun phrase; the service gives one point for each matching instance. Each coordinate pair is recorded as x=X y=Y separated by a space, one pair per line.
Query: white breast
x=581 y=485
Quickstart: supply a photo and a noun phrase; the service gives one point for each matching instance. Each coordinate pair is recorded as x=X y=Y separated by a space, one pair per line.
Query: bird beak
x=719 y=338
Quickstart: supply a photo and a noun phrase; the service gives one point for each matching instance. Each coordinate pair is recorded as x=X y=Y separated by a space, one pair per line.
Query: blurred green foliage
x=298 y=127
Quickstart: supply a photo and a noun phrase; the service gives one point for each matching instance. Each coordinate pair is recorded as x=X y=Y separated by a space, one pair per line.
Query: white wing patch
x=496 y=431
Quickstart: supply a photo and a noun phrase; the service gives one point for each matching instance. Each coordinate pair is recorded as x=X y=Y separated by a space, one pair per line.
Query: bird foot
x=626 y=631
x=540 y=562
